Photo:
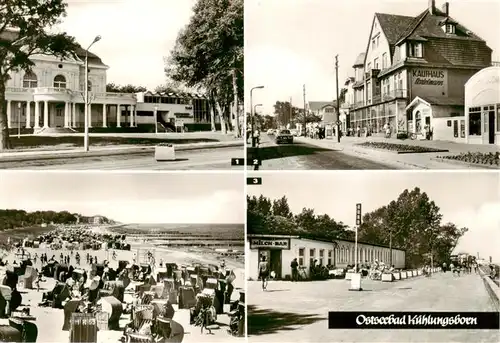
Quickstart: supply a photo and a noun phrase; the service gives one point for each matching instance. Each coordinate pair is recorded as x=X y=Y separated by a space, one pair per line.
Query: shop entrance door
x=275 y=262
x=491 y=127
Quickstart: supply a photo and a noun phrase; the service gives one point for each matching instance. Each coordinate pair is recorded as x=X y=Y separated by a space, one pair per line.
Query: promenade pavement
x=349 y=145
x=298 y=312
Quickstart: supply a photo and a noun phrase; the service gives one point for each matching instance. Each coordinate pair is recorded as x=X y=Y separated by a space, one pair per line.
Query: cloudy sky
x=130 y=198
x=136 y=35
x=289 y=43
x=466 y=199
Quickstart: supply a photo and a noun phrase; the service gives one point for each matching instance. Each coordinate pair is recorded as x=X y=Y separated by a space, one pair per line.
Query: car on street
x=284 y=136
x=270 y=132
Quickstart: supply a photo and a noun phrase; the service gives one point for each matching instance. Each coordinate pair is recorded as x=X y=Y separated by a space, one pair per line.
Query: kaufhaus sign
x=270 y=243
x=429 y=77
x=429 y=82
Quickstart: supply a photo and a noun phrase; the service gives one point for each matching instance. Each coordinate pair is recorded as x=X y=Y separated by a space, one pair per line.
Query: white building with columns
x=51 y=95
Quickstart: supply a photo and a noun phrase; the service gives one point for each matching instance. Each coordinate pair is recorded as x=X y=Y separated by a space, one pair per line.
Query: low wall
x=492 y=289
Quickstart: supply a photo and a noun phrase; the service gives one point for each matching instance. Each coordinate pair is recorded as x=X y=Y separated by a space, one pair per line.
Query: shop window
x=474 y=123
x=448 y=123
x=415 y=49
x=301 y=256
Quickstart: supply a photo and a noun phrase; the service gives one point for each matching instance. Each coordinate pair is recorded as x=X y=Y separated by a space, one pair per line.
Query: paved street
x=203 y=159
x=304 y=156
x=298 y=312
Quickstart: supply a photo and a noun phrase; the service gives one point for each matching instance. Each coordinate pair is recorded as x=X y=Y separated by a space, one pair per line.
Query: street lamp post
x=86 y=96
x=18 y=120
x=255 y=110
x=156 y=119
x=251 y=110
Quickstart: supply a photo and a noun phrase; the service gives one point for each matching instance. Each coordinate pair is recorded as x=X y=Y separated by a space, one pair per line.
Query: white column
x=67 y=119
x=45 y=113
x=131 y=115
x=9 y=114
x=118 y=116
x=73 y=115
x=90 y=115
x=135 y=116
x=37 y=115
x=28 y=114
x=104 y=116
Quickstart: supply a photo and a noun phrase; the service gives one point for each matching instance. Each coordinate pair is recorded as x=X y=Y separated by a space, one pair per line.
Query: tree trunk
x=4 y=130
x=222 y=119
x=212 y=111
x=237 y=131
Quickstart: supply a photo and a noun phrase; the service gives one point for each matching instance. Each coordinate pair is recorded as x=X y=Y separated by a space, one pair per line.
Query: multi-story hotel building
x=413 y=72
x=52 y=95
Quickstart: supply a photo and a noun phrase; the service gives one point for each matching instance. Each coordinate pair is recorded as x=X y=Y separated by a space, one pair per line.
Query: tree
x=284 y=112
x=281 y=208
x=208 y=55
x=413 y=221
x=113 y=88
x=23 y=33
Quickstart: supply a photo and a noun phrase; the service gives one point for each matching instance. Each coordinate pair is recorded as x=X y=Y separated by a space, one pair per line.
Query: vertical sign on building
x=358 y=214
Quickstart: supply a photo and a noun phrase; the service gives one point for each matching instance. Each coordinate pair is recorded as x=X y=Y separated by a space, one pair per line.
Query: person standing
x=295 y=271
x=263 y=272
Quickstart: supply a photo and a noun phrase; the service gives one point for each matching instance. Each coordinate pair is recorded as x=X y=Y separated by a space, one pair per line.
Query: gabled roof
x=392 y=25
x=360 y=60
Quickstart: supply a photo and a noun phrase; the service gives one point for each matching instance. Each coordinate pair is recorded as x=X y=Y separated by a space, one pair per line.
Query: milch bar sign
x=269 y=243
x=429 y=77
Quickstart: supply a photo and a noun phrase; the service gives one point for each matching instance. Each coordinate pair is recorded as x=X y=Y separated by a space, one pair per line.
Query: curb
x=114 y=152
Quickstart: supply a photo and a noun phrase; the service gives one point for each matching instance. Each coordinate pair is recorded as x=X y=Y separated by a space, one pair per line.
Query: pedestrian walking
x=295 y=271
x=263 y=272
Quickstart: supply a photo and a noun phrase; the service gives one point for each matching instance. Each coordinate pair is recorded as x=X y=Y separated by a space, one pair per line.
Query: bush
x=491 y=159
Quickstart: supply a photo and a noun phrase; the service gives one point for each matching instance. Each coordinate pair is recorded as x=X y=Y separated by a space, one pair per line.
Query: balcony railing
x=51 y=90
x=19 y=90
x=397 y=93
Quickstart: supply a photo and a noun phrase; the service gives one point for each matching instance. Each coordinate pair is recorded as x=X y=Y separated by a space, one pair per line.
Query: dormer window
x=415 y=49
x=449 y=28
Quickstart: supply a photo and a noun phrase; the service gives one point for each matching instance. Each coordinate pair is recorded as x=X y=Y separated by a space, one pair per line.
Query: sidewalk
x=99 y=151
x=348 y=145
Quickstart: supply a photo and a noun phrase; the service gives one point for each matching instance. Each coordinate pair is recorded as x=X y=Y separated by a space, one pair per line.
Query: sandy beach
x=50 y=321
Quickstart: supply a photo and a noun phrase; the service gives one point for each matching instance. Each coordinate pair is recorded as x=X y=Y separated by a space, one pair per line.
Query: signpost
x=356 y=277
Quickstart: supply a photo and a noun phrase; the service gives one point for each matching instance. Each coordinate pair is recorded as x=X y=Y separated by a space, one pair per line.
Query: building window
x=498 y=118
x=448 y=123
x=89 y=86
x=30 y=80
x=330 y=252
x=450 y=28
x=312 y=255
x=375 y=63
x=302 y=252
x=384 y=60
x=321 y=256
x=59 y=81
x=475 y=121
x=415 y=50
x=373 y=44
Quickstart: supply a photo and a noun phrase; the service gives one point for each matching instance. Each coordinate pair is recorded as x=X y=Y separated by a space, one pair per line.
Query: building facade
x=52 y=96
x=482 y=107
x=327 y=111
x=413 y=72
x=280 y=250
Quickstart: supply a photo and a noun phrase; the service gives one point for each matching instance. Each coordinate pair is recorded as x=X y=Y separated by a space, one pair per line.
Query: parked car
x=294 y=132
x=284 y=136
x=270 y=132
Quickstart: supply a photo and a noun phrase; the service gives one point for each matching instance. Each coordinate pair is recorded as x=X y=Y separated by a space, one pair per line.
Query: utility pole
x=305 y=114
x=337 y=90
